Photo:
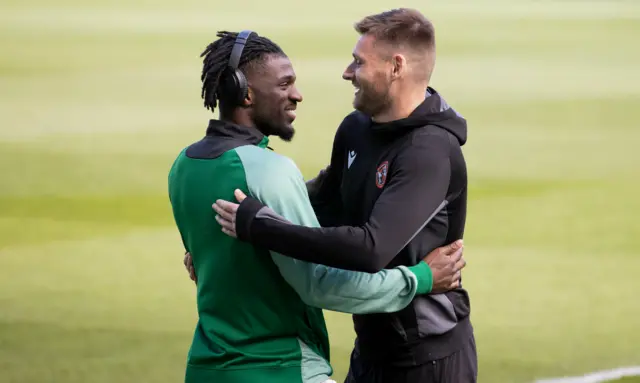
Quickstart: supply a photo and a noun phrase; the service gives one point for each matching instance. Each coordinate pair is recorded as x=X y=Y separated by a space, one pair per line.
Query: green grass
x=96 y=99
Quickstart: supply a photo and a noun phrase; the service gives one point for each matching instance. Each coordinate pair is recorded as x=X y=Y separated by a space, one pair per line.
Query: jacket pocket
x=435 y=314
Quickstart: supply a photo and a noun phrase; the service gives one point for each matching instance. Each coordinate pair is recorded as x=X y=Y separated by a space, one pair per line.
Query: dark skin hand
x=188 y=264
x=446 y=264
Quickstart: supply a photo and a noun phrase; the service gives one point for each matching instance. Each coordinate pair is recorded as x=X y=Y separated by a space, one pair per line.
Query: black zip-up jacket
x=393 y=192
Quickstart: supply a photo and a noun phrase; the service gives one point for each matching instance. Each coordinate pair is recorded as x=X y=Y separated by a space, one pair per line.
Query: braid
x=216 y=59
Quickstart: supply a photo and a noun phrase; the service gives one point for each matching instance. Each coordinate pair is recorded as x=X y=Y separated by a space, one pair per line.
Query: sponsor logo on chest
x=381 y=174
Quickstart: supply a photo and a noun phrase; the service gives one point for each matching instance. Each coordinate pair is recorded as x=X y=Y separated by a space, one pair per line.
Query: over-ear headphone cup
x=233 y=86
x=242 y=86
x=228 y=86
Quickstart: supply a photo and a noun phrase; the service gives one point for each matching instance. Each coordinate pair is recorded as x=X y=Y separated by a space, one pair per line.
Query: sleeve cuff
x=424 y=275
x=245 y=215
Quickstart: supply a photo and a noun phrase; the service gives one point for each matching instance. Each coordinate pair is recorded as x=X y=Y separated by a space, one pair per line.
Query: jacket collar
x=229 y=130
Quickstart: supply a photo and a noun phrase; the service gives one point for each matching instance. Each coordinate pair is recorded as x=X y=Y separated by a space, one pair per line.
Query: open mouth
x=291 y=113
x=356 y=90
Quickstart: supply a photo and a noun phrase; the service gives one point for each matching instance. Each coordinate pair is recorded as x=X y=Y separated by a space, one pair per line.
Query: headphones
x=234 y=83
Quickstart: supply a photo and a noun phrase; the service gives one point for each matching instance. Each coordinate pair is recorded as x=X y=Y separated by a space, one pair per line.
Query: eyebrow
x=288 y=77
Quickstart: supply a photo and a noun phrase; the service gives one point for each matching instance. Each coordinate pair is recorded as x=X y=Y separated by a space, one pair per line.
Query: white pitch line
x=597 y=377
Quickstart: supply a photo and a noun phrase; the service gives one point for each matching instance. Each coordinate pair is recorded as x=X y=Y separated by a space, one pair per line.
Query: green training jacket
x=260 y=313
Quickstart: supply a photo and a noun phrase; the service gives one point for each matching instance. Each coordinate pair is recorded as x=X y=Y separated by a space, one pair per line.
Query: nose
x=348 y=73
x=295 y=95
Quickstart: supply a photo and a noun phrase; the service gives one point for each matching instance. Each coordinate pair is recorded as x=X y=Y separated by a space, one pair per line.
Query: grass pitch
x=96 y=100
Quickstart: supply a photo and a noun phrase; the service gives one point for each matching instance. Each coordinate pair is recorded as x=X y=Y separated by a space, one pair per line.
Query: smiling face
x=369 y=72
x=274 y=97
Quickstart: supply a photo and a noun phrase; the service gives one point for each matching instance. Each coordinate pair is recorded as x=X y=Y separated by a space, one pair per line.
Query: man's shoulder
x=178 y=161
x=265 y=160
x=352 y=126
x=429 y=132
x=267 y=170
x=354 y=118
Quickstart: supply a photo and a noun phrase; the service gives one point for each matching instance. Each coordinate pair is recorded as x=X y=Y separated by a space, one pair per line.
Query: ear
x=398 y=65
x=248 y=101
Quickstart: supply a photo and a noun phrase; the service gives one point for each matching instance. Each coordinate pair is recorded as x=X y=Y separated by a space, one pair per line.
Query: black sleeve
x=314 y=184
x=416 y=189
x=324 y=190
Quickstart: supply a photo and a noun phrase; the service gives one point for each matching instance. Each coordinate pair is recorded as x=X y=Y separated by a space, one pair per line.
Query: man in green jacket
x=259 y=313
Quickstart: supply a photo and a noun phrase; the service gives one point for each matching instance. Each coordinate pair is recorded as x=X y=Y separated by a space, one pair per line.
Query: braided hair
x=216 y=59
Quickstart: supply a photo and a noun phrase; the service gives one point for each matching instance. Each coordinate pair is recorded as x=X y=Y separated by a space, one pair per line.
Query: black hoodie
x=394 y=192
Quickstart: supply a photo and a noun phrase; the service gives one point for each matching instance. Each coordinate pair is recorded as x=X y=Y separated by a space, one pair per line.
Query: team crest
x=381 y=174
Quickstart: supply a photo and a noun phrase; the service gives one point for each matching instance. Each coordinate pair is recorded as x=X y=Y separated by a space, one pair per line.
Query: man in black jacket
x=396 y=189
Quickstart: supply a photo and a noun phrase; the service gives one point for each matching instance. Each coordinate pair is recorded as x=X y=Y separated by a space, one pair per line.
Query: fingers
x=240 y=196
x=226 y=209
x=187 y=259
x=227 y=214
x=460 y=264
x=456 y=256
x=188 y=264
x=226 y=224
x=452 y=247
x=456 y=245
x=229 y=232
x=457 y=275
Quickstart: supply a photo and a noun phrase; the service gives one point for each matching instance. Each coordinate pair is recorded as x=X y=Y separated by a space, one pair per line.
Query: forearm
x=354 y=292
x=324 y=195
x=326 y=246
x=314 y=185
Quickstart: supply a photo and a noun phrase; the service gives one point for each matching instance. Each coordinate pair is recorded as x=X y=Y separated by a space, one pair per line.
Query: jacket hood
x=433 y=111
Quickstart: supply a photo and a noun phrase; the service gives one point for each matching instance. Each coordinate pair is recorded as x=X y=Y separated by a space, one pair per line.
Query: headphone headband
x=236 y=52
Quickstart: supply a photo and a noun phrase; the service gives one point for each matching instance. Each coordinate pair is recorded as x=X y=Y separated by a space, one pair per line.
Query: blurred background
x=98 y=97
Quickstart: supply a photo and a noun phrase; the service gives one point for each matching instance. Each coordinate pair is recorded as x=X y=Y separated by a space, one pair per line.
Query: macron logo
x=352 y=156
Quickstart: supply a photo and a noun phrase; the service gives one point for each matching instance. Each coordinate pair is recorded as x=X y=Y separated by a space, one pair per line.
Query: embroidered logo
x=352 y=156
x=381 y=174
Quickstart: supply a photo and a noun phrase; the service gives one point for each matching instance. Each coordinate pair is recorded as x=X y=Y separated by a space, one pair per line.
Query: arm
x=324 y=195
x=314 y=185
x=324 y=190
x=325 y=287
x=351 y=291
x=418 y=183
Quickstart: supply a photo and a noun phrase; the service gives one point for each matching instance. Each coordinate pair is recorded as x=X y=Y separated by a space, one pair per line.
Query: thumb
x=453 y=247
x=240 y=196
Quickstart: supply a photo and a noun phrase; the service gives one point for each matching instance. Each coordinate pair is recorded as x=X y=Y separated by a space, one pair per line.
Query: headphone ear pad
x=233 y=86
x=242 y=86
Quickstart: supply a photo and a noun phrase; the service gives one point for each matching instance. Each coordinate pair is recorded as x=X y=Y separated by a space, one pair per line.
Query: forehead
x=365 y=47
x=277 y=67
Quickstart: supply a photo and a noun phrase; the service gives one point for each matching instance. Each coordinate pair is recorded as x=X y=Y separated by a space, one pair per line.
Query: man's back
x=251 y=321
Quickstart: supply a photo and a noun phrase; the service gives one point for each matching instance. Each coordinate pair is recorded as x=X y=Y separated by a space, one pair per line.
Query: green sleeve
x=277 y=182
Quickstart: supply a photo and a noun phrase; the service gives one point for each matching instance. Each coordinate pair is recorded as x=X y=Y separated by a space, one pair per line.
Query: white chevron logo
x=352 y=156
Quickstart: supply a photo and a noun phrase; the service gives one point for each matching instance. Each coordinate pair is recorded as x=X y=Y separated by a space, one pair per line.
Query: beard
x=373 y=96
x=285 y=132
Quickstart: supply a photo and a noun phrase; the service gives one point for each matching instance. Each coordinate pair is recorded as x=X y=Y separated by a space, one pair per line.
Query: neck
x=402 y=106
x=240 y=118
